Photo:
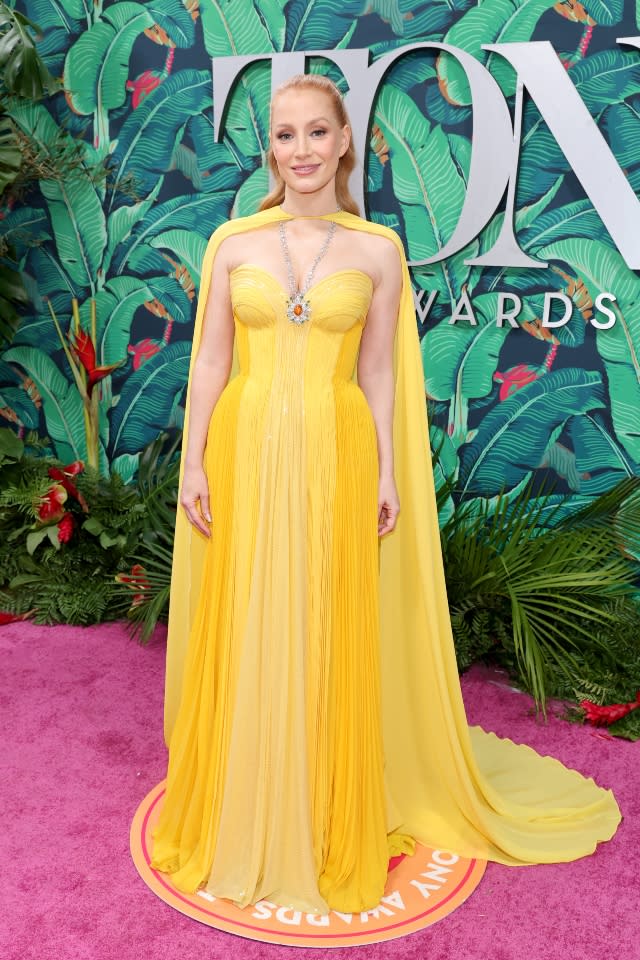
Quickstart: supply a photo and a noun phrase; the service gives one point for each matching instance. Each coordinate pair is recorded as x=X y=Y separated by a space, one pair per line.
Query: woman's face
x=306 y=138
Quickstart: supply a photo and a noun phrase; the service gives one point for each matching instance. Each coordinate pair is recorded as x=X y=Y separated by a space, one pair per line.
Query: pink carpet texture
x=82 y=715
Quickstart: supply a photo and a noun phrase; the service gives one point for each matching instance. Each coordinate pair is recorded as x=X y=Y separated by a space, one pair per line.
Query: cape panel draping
x=450 y=785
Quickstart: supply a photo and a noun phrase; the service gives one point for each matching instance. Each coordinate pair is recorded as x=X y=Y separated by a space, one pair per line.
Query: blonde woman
x=313 y=710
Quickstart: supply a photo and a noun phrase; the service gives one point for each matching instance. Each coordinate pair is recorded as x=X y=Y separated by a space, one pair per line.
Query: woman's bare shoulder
x=240 y=246
x=380 y=248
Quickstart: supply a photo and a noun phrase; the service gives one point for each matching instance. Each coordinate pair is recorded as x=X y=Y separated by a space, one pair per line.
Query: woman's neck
x=310 y=204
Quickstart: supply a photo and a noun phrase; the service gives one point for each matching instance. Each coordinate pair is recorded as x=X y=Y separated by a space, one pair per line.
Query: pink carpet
x=82 y=711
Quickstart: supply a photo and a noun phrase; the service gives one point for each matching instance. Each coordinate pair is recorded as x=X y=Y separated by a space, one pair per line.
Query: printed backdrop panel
x=508 y=401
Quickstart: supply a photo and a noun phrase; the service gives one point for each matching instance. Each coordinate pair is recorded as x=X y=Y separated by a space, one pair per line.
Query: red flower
x=143 y=350
x=515 y=379
x=12 y=617
x=65 y=528
x=62 y=476
x=142 y=86
x=51 y=506
x=137 y=581
x=603 y=716
x=85 y=353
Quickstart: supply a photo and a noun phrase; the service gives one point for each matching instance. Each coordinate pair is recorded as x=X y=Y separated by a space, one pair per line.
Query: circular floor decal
x=421 y=889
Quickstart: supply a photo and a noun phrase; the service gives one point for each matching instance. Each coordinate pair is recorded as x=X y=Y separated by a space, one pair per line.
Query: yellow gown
x=313 y=710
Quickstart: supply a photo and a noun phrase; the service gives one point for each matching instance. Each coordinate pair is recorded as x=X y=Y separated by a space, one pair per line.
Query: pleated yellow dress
x=313 y=710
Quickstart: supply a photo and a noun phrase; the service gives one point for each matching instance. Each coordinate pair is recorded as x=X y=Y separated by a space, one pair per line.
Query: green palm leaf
x=602 y=269
x=252 y=191
x=320 y=24
x=147 y=398
x=512 y=438
x=10 y=154
x=116 y=306
x=602 y=79
x=23 y=72
x=460 y=359
x=176 y=22
x=149 y=135
x=79 y=227
x=198 y=212
x=97 y=65
x=61 y=401
x=233 y=27
x=185 y=246
x=427 y=183
x=494 y=21
x=606 y=13
x=552 y=586
x=122 y=221
x=62 y=14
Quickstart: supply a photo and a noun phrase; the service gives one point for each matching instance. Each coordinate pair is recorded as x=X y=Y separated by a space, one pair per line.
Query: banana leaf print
x=185 y=246
x=600 y=460
x=171 y=301
x=61 y=401
x=428 y=20
x=606 y=78
x=460 y=361
x=24 y=225
x=122 y=221
x=251 y=192
x=149 y=135
x=16 y=402
x=147 y=399
x=38 y=331
x=247 y=120
x=606 y=13
x=494 y=21
x=97 y=65
x=512 y=439
x=116 y=305
x=233 y=27
x=140 y=97
x=621 y=126
x=201 y=213
x=176 y=23
x=427 y=182
x=74 y=205
x=218 y=165
x=601 y=269
x=320 y=24
x=79 y=227
x=65 y=14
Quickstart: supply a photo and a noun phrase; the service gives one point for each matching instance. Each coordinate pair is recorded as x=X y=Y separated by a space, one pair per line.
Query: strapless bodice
x=325 y=344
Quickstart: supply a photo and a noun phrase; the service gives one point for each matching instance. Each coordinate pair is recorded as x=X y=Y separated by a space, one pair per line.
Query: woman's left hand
x=388 y=505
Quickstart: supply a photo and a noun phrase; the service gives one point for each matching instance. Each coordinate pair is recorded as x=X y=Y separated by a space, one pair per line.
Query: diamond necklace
x=298 y=307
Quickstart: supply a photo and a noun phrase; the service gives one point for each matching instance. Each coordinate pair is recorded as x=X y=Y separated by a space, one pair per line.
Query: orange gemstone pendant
x=298 y=308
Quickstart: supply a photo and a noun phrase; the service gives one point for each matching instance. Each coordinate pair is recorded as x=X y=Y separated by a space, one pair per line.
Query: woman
x=314 y=717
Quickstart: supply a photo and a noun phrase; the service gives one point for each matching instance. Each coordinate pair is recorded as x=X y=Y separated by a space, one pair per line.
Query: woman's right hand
x=195 y=490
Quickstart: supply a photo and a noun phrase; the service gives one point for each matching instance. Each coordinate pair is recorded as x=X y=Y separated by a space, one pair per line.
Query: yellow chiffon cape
x=451 y=786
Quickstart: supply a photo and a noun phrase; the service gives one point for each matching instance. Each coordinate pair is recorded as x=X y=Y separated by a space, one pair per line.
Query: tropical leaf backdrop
x=506 y=404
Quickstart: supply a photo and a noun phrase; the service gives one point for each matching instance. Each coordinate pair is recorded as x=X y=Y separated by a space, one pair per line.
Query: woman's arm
x=375 y=370
x=209 y=376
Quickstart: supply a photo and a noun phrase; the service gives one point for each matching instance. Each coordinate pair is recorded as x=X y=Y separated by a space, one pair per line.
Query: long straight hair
x=346 y=163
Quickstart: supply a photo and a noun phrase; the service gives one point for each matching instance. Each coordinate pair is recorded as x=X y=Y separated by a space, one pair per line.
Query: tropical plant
x=541 y=580
x=132 y=242
x=66 y=532
x=143 y=593
x=22 y=74
x=605 y=672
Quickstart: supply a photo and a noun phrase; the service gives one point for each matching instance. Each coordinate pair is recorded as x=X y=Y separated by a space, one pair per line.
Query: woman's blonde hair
x=346 y=163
